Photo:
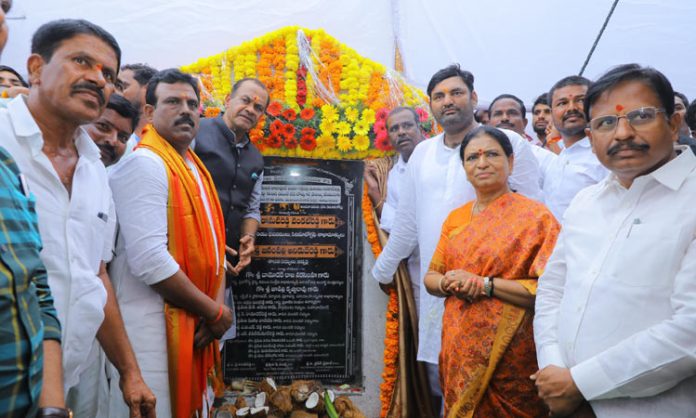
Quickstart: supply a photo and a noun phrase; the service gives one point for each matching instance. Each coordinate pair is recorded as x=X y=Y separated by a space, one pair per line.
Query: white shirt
x=76 y=230
x=435 y=185
x=141 y=191
x=617 y=301
x=395 y=179
x=545 y=158
x=575 y=168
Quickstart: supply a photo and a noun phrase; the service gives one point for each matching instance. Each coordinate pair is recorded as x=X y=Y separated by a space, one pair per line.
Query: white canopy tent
x=511 y=46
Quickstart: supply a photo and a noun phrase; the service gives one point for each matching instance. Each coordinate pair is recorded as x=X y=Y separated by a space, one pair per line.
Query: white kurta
x=76 y=230
x=575 y=168
x=395 y=179
x=617 y=301
x=141 y=191
x=435 y=185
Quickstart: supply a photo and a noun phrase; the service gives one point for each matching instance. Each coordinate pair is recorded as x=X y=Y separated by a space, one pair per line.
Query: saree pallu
x=488 y=349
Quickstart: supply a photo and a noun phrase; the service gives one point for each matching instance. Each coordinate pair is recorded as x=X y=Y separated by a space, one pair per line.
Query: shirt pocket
x=648 y=255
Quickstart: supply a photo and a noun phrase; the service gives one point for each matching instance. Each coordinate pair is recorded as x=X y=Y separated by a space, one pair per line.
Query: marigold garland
x=391 y=335
x=332 y=90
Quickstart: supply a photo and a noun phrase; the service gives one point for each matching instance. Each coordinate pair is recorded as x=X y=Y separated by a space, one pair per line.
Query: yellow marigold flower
x=343 y=128
x=369 y=116
x=361 y=127
x=329 y=112
x=351 y=114
x=326 y=141
x=327 y=127
x=361 y=142
x=344 y=144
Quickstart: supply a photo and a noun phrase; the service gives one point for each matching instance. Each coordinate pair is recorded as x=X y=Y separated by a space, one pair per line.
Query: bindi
x=619 y=108
x=479 y=152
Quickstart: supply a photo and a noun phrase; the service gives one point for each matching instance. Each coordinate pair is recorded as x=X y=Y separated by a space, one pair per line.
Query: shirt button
x=234 y=186
x=239 y=165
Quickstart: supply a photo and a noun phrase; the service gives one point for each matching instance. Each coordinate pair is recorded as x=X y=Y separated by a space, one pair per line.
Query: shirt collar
x=582 y=143
x=673 y=174
x=229 y=133
x=26 y=128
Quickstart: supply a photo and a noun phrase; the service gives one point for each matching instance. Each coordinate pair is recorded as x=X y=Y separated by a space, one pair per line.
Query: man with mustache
x=436 y=184
x=113 y=129
x=169 y=263
x=576 y=166
x=72 y=70
x=236 y=166
x=615 y=320
x=508 y=112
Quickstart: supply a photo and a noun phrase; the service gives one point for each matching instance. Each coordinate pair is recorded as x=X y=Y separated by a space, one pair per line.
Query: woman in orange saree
x=490 y=255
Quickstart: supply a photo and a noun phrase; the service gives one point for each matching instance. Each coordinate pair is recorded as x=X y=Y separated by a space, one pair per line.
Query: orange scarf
x=191 y=243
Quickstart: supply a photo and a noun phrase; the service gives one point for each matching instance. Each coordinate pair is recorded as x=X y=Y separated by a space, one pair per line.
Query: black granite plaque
x=298 y=302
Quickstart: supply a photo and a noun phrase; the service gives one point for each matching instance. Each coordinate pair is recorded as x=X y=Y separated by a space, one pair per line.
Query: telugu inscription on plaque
x=297 y=303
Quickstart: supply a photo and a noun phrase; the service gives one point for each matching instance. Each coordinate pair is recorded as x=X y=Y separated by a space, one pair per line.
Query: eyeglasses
x=636 y=118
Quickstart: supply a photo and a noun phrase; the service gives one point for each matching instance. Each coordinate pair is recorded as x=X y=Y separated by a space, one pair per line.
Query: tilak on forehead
x=480 y=152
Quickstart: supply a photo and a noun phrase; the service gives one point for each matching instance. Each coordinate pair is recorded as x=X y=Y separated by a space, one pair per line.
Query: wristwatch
x=51 y=412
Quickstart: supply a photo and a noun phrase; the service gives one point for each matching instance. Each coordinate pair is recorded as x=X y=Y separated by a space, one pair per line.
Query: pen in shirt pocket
x=636 y=221
x=103 y=216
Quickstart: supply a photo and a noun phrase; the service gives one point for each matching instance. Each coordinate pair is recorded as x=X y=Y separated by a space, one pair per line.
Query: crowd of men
x=123 y=214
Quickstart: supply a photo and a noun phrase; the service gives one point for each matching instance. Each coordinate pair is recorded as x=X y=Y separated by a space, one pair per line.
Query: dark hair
x=632 y=72
x=691 y=116
x=13 y=71
x=256 y=81
x=169 y=76
x=542 y=99
x=683 y=98
x=478 y=112
x=494 y=133
x=448 y=72
x=50 y=35
x=400 y=109
x=123 y=107
x=142 y=73
x=571 y=80
x=519 y=101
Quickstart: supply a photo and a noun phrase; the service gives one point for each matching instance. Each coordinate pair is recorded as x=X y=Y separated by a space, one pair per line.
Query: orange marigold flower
x=211 y=112
x=288 y=130
x=274 y=141
x=289 y=114
x=308 y=132
x=290 y=142
x=307 y=113
x=308 y=143
x=274 y=108
x=276 y=126
x=256 y=136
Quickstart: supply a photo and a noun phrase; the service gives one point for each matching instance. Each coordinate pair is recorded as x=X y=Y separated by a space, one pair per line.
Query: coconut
x=261 y=400
x=258 y=412
x=282 y=400
x=300 y=390
x=268 y=386
x=314 y=403
x=240 y=402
